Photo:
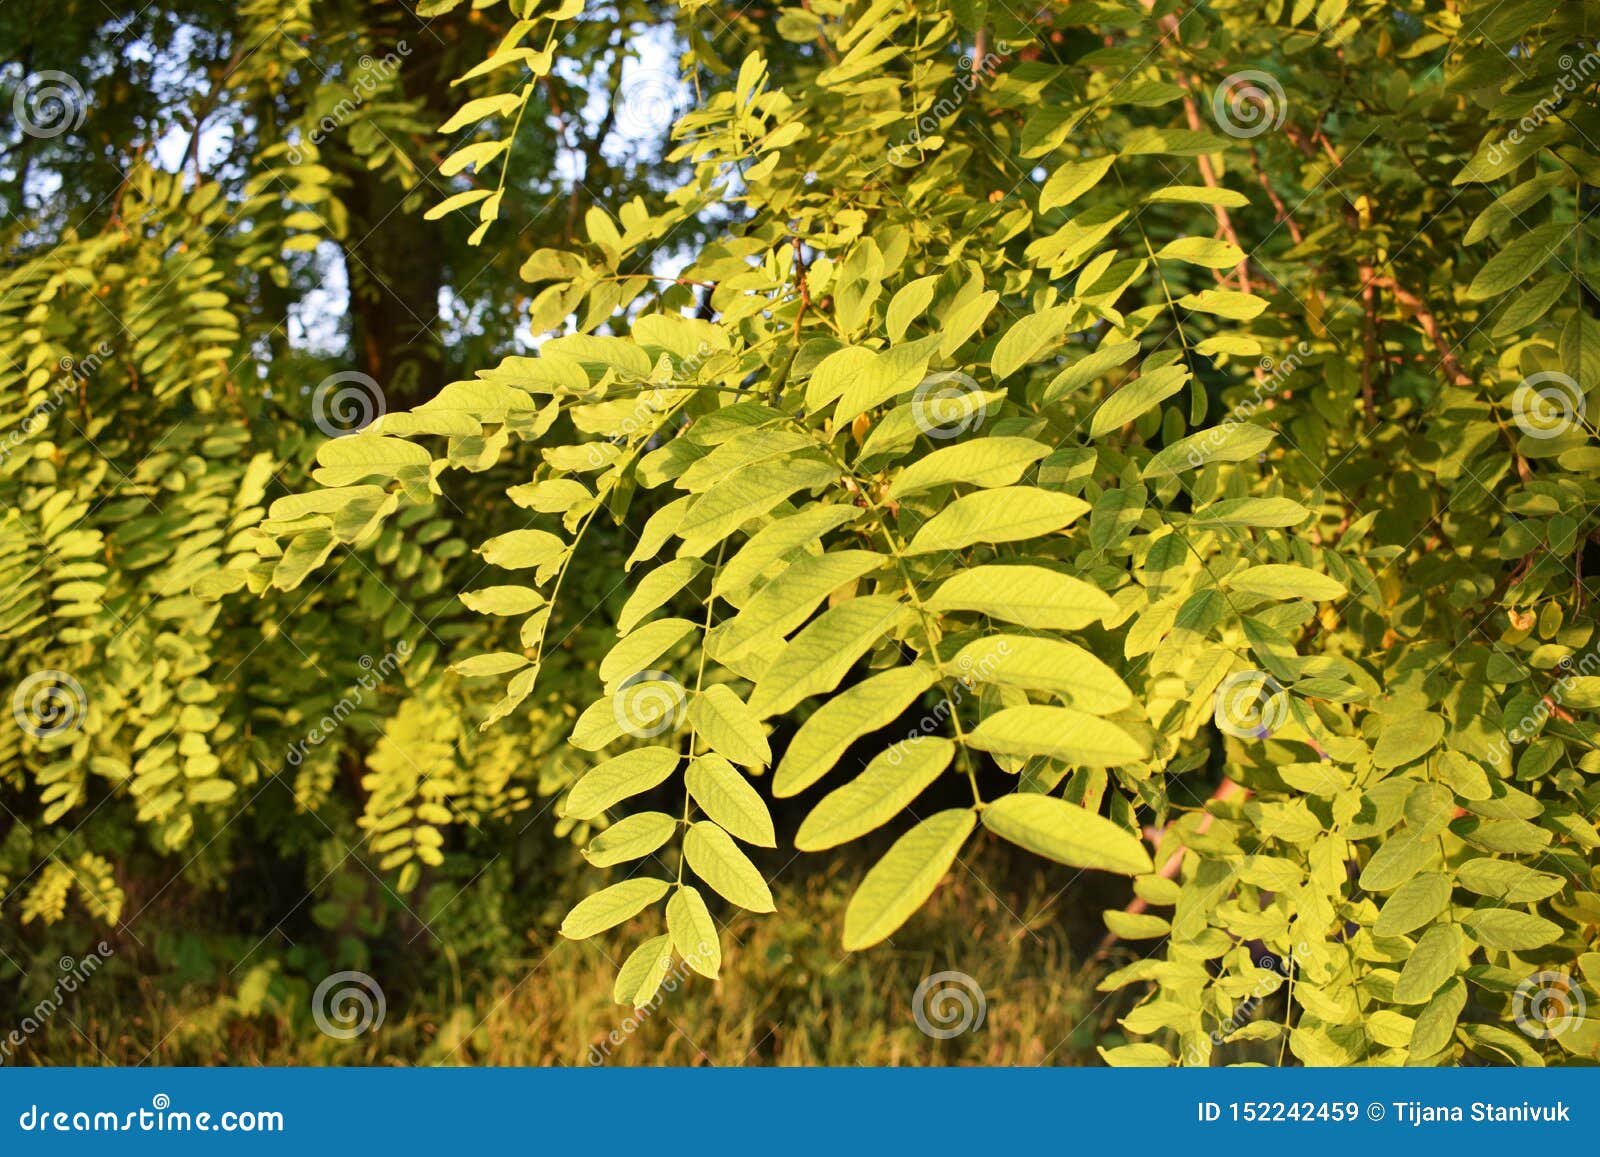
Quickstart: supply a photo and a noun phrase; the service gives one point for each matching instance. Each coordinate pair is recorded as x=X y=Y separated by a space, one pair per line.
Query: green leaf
x=822 y=739
x=1406 y=738
x=641 y=974
x=895 y=371
x=655 y=589
x=1089 y=368
x=1199 y=195
x=1071 y=181
x=642 y=648
x=1206 y=252
x=1030 y=596
x=1432 y=962
x=1436 y=1024
x=1400 y=858
x=507 y=600
x=1041 y=664
x=1283 y=581
x=613 y=781
x=776 y=540
x=1510 y=931
x=1413 y=905
x=1066 y=833
x=713 y=856
x=821 y=654
x=1133 y=399
x=693 y=931
x=1518 y=261
x=790 y=599
x=1507 y=881
x=350 y=459
x=610 y=907
x=1252 y=512
x=886 y=788
x=632 y=838
x=1007 y=514
x=523 y=548
x=749 y=494
x=1027 y=340
x=1226 y=303
x=908 y=305
x=1058 y=733
x=729 y=800
x=1231 y=442
x=901 y=882
x=729 y=727
x=983 y=462
x=495 y=663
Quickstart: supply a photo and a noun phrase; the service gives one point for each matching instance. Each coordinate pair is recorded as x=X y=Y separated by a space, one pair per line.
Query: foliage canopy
x=1046 y=420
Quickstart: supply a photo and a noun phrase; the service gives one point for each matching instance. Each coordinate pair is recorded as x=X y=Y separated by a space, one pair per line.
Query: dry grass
x=787 y=996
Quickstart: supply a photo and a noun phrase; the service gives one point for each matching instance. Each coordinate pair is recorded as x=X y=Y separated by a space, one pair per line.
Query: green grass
x=787 y=996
